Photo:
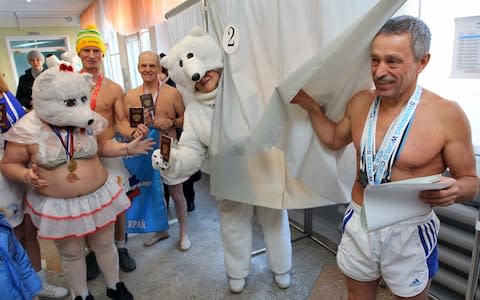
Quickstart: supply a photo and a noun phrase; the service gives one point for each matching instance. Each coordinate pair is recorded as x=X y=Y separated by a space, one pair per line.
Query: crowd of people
x=76 y=195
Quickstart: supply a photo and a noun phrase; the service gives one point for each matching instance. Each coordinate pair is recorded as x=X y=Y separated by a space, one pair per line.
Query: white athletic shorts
x=404 y=254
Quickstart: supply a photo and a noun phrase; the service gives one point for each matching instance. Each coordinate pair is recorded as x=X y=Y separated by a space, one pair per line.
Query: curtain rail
x=179 y=8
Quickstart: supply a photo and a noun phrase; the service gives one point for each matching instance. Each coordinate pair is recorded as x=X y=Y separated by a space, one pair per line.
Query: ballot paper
x=394 y=202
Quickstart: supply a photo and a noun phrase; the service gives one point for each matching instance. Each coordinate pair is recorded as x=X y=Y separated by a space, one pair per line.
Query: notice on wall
x=466 y=51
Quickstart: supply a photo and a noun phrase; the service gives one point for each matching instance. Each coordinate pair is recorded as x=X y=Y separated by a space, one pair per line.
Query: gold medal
x=72 y=165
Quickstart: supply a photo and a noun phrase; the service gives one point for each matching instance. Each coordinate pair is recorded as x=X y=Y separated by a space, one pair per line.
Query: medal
x=363 y=178
x=377 y=164
x=72 y=165
x=68 y=146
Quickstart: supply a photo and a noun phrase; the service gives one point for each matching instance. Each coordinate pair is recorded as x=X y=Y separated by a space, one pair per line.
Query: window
x=136 y=44
x=112 y=63
x=18 y=48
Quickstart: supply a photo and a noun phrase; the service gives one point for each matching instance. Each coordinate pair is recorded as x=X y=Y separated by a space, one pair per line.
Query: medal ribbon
x=67 y=143
x=93 y=98
x=155 y=97
x=378 y=166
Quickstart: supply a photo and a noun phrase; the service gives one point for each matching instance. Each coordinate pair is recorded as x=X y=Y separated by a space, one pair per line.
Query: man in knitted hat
x=107 y=100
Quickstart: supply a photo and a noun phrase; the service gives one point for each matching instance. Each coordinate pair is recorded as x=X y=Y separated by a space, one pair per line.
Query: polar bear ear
x=52 y=61
x=89 y=79
x=164 y=62
x=196 y=31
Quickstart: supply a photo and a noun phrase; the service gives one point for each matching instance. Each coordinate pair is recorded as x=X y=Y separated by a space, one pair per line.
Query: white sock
x=120 y=244
x=114 y=287
x=42 y=274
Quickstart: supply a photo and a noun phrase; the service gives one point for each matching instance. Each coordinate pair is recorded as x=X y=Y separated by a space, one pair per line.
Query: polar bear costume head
x=192 y=57
x=61 y=96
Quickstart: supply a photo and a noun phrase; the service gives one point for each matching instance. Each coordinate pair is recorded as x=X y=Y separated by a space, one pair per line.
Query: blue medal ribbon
x=378 y=166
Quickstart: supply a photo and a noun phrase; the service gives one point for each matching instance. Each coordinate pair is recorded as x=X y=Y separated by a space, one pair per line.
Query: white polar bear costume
x=187 y=62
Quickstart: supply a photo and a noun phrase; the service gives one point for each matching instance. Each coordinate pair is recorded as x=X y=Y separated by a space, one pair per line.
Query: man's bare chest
x=419 y=144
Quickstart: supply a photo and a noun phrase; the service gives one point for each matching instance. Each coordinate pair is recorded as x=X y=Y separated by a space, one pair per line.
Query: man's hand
x=32 y=179
x=148 y=116
x=139 y=146
x=443 y=197
x=305 y=101
x=141 y=130
x=163 y=123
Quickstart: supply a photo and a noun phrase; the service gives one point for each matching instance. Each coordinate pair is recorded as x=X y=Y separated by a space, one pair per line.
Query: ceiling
x=41 y=13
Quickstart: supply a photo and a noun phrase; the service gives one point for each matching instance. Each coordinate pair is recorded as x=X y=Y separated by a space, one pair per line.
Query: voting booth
x=263 y=150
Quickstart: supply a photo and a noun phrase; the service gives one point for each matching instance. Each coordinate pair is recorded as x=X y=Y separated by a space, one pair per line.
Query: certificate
x=390 y=203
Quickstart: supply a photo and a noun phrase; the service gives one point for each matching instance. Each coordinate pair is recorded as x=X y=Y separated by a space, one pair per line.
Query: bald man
x=167 y=116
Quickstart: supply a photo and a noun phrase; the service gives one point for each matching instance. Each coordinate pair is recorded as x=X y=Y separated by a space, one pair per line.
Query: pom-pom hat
x=90 y=37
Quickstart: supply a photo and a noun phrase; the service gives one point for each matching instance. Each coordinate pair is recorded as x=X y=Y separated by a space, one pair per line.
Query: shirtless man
x=435 y=136
x=168 y=115
x=107 y=100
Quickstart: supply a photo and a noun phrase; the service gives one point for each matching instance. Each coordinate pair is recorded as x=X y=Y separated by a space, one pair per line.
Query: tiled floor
x=164 y=272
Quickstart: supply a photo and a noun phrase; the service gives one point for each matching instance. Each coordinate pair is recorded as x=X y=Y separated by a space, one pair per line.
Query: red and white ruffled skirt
x=58 y=218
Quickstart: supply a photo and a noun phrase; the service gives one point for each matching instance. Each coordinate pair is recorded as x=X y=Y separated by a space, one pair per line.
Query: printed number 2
x=231 y=34
x=230 y=38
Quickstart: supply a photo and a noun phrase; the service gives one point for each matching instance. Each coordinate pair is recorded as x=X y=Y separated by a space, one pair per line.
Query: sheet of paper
x=393 y=202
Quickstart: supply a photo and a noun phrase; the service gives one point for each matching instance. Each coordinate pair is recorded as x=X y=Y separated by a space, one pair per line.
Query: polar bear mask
x=192 y=57
x=61 y=97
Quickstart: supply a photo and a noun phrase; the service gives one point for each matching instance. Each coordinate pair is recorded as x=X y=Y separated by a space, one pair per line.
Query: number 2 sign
x=231 y=38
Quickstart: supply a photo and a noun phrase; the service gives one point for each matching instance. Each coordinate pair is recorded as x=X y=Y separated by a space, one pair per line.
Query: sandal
x=184 y=244
x=155 y=238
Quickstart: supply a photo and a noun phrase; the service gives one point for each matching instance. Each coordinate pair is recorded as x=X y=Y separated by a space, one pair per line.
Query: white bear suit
x=236 y=218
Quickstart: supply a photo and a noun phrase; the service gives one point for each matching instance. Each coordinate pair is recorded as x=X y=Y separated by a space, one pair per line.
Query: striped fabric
x=428 y=236
x=346 y=217
x=14 y=109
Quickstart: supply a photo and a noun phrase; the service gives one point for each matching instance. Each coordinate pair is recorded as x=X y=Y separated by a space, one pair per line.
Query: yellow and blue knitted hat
x=90 y=37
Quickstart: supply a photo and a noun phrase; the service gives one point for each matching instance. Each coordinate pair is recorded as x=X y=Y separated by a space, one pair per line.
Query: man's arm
x=14 y=166
x=459 y=157
x=120 y=115
x=175 y=108
x=333 y=135
x=179 y=110
x=113 y=148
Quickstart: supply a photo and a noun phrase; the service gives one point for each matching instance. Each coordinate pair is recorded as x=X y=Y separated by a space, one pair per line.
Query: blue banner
x=147 y=212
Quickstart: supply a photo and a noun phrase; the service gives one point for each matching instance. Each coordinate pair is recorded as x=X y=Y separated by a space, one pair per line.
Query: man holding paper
x=400 y=131
x=166 y=110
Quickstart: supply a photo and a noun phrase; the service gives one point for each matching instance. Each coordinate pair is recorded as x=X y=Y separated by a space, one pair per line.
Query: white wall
x=440 y=17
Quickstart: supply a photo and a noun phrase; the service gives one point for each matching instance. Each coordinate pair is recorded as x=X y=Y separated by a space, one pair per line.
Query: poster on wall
x=466 y=51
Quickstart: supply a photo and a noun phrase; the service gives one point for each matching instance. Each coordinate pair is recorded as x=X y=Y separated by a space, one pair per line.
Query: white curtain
x=263 y=150
x=179 y=25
